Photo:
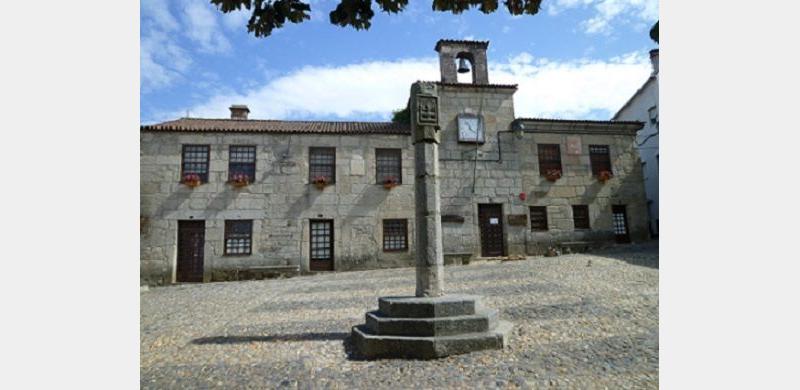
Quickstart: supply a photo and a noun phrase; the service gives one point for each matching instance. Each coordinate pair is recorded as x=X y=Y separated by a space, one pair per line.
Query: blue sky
x=577 y=59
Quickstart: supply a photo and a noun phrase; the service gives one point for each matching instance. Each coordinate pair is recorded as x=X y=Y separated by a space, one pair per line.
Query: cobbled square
x=580 y=321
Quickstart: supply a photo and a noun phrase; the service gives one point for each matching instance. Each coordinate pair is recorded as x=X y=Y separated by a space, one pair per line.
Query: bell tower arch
x=455 y=52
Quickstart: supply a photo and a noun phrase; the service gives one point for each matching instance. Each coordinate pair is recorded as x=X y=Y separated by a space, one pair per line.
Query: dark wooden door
x=620 y=217
x=490 y=221
x=191 y=239
x=321 y=245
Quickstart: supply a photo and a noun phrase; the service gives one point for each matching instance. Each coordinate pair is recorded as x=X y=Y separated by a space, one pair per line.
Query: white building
x=643 y=106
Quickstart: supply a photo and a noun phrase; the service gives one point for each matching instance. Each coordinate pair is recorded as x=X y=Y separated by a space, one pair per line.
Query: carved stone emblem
x=426 y=110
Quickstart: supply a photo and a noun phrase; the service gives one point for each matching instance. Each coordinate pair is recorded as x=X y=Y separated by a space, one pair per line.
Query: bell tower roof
x=451 y=50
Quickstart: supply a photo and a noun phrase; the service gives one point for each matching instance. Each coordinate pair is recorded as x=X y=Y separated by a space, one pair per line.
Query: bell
x=463 y=67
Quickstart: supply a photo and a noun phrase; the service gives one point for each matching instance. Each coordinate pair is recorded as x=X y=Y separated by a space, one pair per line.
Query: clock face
x=470 y=129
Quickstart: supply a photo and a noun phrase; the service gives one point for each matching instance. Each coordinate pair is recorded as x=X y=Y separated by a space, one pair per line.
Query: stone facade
x=281 y=202
x=643 y=106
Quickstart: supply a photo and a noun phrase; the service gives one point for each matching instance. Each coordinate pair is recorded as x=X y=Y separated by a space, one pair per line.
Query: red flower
x=240 y=179
x=320 y=181
x=191 y=179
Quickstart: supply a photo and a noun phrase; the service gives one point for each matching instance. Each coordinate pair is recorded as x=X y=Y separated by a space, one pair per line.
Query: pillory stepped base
x=429 y=328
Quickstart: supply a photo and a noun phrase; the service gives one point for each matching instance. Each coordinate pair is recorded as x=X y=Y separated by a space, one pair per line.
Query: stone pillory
x=431 y=324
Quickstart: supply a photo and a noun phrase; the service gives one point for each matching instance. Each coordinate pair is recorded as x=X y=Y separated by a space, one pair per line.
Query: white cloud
x=608 y=12
x=372 y=90
x=202 y=27
x=157 y=12
x=571 y=89
x=162 y=61
x=236 y=20
x=168 y=42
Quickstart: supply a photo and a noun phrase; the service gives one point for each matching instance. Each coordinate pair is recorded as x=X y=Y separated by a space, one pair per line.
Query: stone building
x=226 y=198
x=643 y=106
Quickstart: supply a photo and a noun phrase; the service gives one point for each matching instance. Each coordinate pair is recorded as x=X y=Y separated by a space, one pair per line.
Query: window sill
x=395 y=250
x=237 y=254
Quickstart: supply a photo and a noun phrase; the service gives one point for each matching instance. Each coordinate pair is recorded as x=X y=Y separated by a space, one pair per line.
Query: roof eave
x=562 y=126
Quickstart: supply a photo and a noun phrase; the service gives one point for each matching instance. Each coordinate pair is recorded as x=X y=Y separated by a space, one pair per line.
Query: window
x=580 y=214
x=549 y=157
x=395 y=235
x=242 y=159
x=538 y=218
x=387 y=165
x=600 y=158
x=238 y=237
x=322 y=163
x=195 y=160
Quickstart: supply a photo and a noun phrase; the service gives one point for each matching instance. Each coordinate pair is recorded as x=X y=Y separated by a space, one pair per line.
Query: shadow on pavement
x=270 y=338
x=645 y=254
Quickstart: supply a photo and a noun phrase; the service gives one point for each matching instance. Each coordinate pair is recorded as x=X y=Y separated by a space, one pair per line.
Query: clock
x=470 y=128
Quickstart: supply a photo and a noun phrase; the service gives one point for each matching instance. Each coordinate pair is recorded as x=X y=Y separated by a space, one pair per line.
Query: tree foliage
x=402 y=116
x=654 y=32
x=268 y=15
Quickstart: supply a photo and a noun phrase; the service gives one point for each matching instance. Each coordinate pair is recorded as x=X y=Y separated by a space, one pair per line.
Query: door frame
x=184 y=223
x=311 y=244
x=503 y=243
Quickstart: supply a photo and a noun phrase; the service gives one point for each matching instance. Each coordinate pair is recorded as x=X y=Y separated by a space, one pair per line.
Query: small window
x=242 y=160
x=395 y=235
x=580 y=215
x=238 y=237
x=549 y=158
x=600 y=158
x=322 y=164
x=195 y=161
x=538 y=218
x=387 y=166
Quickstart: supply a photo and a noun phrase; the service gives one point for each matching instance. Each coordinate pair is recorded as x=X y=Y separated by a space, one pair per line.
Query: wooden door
x=321 y=242
x=620 y=216
x=191 y=239
x=490 y=222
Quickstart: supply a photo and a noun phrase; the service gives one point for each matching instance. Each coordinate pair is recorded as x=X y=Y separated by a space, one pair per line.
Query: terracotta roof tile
x=588 y=121
x=483 y=44
x=277 y=126
x=471 y=85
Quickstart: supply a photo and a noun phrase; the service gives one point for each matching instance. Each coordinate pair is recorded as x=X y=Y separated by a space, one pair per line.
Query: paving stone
x=575 y=326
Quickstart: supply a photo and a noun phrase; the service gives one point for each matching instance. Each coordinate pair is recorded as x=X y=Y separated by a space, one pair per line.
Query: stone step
x=482 y=321
x=383 y=346
x=427 y=307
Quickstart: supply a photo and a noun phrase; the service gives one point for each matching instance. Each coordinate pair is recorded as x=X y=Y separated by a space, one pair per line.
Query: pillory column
x=425 y=128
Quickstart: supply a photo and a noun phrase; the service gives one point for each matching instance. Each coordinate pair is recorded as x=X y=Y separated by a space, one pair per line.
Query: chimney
x=654 y=61
x=239 y=111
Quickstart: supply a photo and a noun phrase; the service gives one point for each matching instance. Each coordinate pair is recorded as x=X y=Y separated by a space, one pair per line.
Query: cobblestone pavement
x=580 y=321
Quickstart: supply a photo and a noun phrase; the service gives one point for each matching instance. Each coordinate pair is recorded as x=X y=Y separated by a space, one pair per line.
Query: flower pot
x=552 y=175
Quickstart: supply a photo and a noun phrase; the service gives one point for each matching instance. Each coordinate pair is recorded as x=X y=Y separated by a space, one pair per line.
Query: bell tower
x=458 y=56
